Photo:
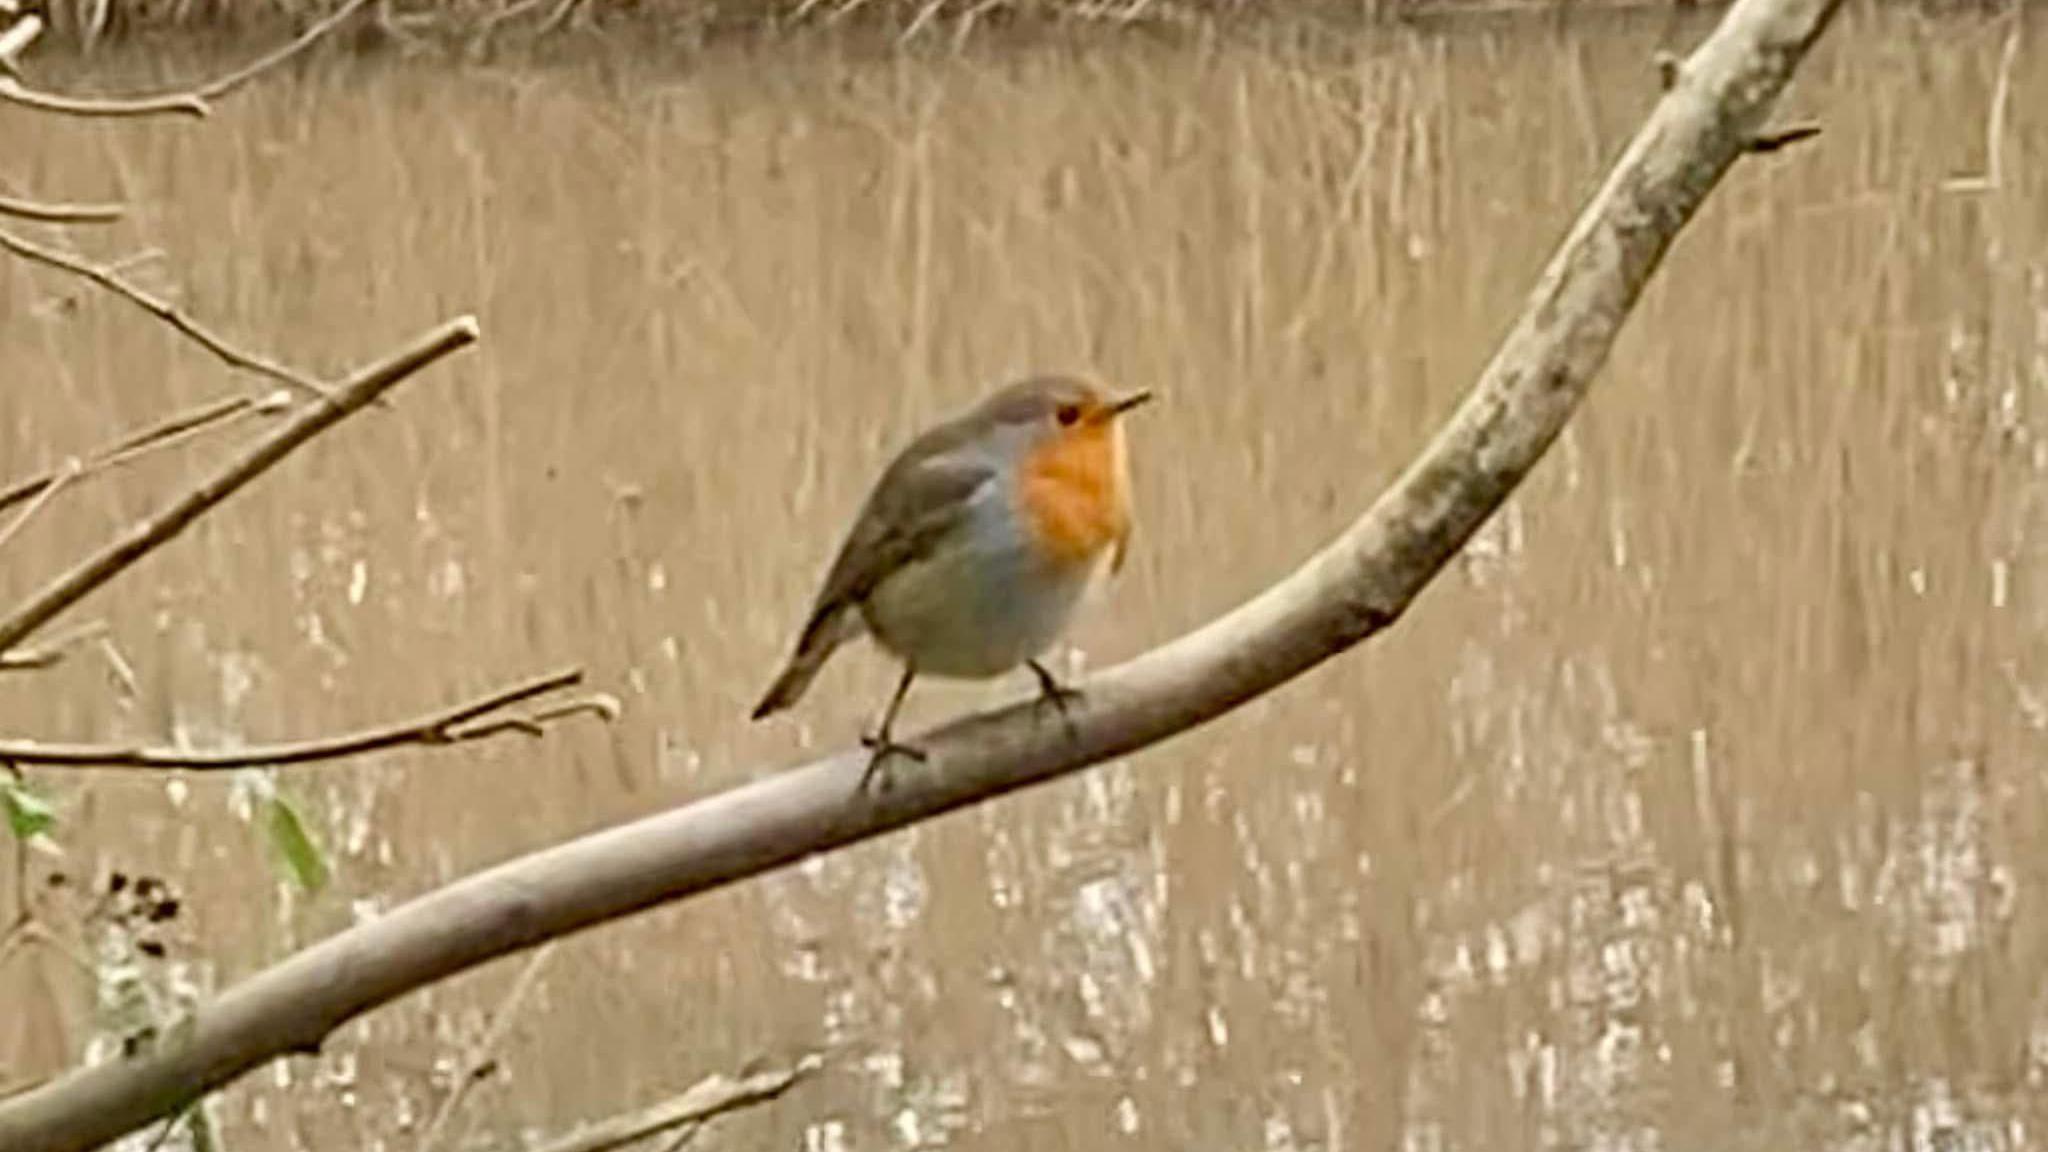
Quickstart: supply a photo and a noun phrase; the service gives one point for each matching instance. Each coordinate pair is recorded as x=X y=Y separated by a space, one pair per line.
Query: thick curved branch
x=461 y=724
x=197 y=101
x=1356 y=586
x=148 y=535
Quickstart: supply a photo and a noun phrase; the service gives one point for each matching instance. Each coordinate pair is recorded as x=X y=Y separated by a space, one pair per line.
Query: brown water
x=1690 y=809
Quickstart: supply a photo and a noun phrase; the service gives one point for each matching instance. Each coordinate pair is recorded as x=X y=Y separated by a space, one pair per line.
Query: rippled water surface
x=1696 y=806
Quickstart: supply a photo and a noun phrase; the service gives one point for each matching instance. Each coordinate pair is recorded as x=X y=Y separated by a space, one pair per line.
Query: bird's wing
x=918 y=501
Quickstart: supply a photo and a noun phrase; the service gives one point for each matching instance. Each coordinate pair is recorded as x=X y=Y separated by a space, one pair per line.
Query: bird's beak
x=1118 y=407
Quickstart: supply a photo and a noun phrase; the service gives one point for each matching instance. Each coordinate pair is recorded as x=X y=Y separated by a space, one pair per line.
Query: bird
x=975 y=545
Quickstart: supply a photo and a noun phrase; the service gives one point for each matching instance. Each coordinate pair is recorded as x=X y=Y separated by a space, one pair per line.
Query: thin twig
x=70 y=472
x=111 y=280
x=602 y=705
x=47 y=654
x=148 y=535
x=195 y=101
x=162 y=434
x=221 y=86
x=704 y=1101
x=17 y=38
x=1771 y=141
x=436 y=728
x=179 y=103
x=481 y=1060
x=50 y=212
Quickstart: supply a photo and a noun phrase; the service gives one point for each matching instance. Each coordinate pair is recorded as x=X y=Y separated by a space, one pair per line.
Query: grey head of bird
x=1030 y=413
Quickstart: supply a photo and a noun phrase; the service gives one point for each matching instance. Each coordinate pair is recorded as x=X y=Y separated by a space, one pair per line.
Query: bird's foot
x=1052 y=692
x=882 y=746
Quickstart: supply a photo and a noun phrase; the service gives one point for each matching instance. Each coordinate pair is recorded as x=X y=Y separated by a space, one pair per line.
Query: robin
x=972 y=551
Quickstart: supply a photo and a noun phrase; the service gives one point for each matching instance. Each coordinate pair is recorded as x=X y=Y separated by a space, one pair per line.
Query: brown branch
x=49 y=212
x=1356 y=586
x=14 y=91
x=16 y=39
x=148 y=535
x=196 y=101
x=107 y=277
x=701 y=1103
x=67 y=474
x=162 y=434
x=49 y=653
x=455 y=725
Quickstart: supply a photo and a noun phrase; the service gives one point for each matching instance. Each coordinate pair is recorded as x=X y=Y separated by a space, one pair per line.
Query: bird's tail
x=826 y=632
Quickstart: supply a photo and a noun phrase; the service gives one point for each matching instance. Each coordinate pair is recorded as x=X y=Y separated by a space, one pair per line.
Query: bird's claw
x=1058 y=695
x=883 y=747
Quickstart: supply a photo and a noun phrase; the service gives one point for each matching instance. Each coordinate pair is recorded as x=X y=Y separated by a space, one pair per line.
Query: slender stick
x=453 y=725
x=170 y=430
x=480 y=1061
x=150 y=534
x=51 y=212
x=196 y=101
x=109 y=278
x=69 y=473
x=702 y=1102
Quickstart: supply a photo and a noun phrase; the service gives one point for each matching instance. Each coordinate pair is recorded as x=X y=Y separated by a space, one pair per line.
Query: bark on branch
x=150 y=534
x=1359 y=584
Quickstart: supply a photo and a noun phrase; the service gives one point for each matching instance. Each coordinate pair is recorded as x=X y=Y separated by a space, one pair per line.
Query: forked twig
x=195 y=101
x=108 y=278
x=701 y=1103
x=149 y=534
x=447 y=726
x=47 y=654
x=70 y=472
x=16 y=39
x=162 y=434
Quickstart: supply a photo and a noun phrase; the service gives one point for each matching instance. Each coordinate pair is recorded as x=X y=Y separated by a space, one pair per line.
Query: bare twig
x=50 y=212
x=47 y=654
x=14 y=91
x=701 y=1103
x=71 y=470
x=108 y=278
x=196 y=101
x=1771 y=141
x=446 y=726
x=168 y=431
x=480 y=1061
x=16 y=39
x=220 y=86
x=148 y=535
x=1355 y=587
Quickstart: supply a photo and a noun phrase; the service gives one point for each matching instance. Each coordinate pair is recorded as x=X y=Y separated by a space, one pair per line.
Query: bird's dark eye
x=1068 y=413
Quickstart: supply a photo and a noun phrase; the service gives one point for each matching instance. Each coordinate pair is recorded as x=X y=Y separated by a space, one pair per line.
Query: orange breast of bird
x=1075 y=494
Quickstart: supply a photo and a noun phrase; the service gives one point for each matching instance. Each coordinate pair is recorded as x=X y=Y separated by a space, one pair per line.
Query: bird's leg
x=881 y=744
x=1051 y=691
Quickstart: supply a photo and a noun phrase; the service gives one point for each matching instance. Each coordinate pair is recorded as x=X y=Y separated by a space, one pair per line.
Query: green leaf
x=28 y=815
x=295 y=847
